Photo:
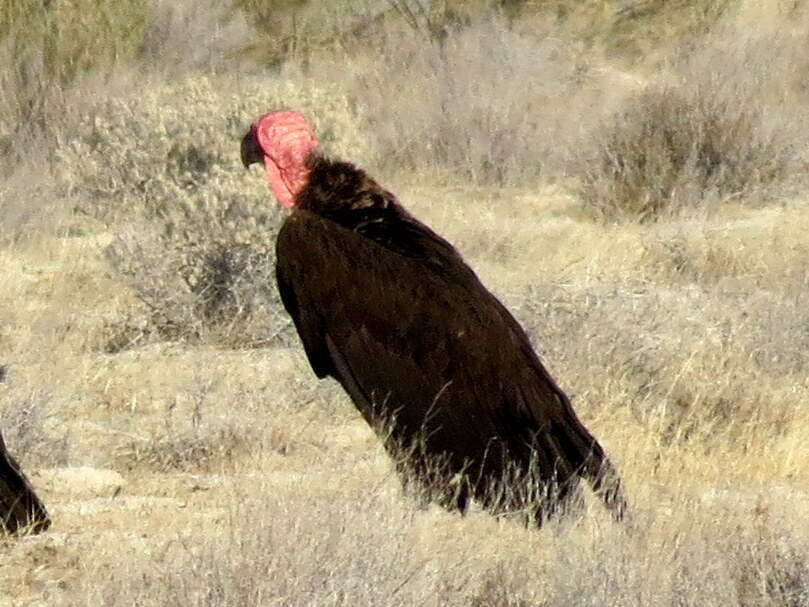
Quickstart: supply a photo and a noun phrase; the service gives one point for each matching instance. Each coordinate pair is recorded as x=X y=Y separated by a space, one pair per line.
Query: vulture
x=21 y=510
x=432 y=360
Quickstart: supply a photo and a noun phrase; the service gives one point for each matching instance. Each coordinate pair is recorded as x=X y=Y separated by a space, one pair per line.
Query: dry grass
x=724 y=120
x=183 y=468
x=199 y=249
x=485 y=101
x=48 y=48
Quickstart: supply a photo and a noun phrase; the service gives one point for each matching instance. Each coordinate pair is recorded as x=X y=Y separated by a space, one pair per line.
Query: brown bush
x=713 y=129
x=198 y=242
x=485 y=101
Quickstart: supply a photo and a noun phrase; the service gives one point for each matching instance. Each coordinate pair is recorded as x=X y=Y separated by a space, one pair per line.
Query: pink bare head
x=283 y=142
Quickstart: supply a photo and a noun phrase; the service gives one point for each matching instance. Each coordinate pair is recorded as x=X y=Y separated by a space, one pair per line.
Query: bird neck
x=286 y=182
x=335 y=187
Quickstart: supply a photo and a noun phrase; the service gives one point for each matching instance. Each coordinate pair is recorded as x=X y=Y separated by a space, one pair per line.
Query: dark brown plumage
x=427 y=354
x=20 y=508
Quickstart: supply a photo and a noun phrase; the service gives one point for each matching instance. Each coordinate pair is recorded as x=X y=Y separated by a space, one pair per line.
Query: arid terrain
x=635 y=194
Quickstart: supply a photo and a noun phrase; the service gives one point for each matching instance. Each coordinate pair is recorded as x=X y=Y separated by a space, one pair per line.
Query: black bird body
x=391 y=310
x=21 y=510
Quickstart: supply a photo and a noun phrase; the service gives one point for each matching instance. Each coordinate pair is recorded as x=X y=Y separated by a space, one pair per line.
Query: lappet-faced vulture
x=429 y=356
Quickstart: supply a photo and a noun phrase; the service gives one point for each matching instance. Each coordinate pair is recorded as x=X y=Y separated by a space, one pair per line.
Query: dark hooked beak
x=251 y=152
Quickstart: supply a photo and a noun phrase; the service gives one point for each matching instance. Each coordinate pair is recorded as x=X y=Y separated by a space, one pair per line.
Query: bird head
x=282 y=141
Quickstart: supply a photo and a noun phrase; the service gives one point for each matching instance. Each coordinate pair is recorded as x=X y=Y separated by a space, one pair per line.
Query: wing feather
x=429 y=345
x=409 y=333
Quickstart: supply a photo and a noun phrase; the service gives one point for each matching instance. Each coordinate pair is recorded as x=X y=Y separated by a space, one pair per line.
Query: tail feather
x=587 y=456
x=562 y=468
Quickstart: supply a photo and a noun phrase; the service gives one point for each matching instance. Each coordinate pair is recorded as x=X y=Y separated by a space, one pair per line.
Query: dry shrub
x=48 y=47
x=58 y=58
x=737 y=557
x=199 y=247
x=268 y=16
x=185 y=452
x=25 y=417
x=352 y=546
x=195 y=444
x=771 y=570
x=505 y=585
x=710 y=367
x=670 y=150
x=192 y=36
x=28 y=207
x=485 y=101
x=715 y=128
x=294 y=27
x=207 y=420
x=201 y=283
x=299 y=551
x=643 y=30
x=142 y=154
